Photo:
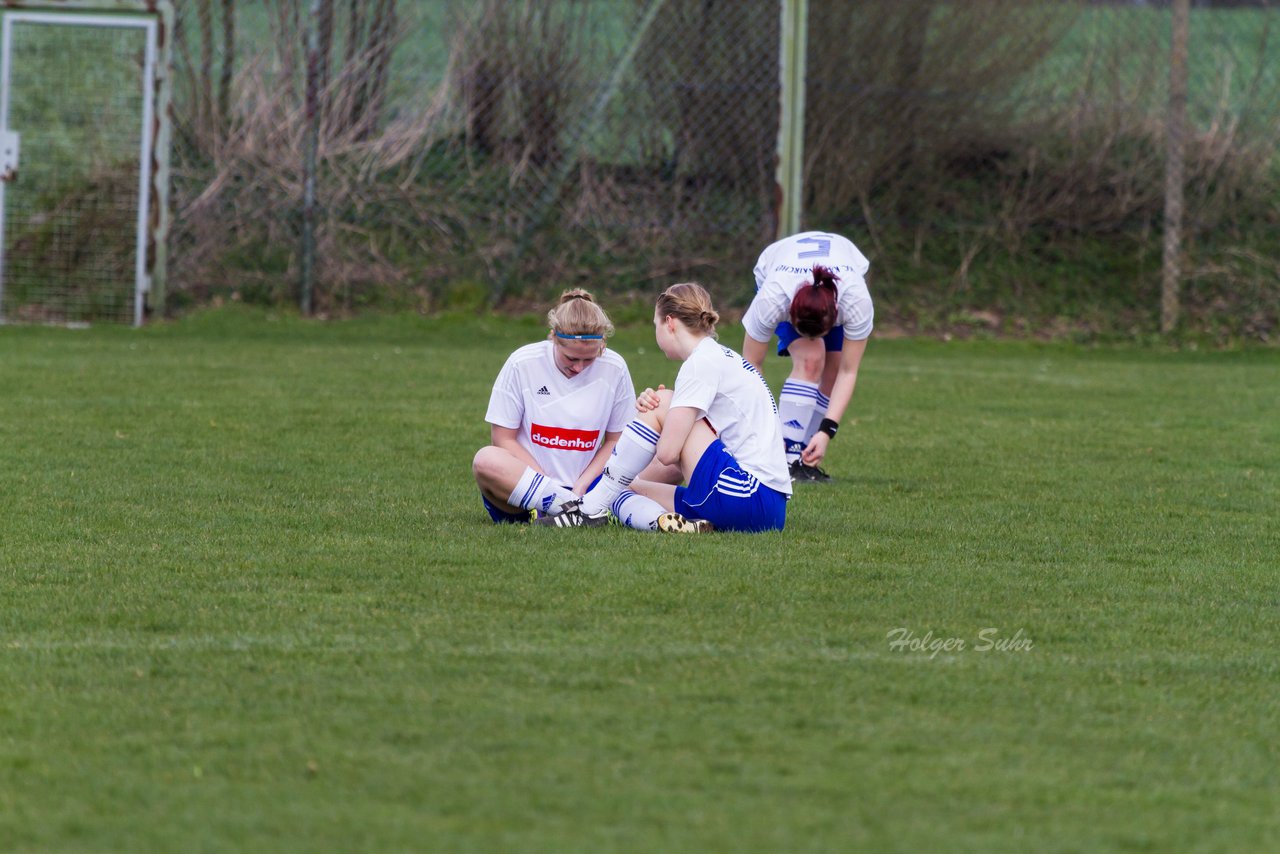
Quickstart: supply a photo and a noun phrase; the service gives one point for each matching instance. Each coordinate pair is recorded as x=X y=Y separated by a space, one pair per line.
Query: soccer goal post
x=85 y=89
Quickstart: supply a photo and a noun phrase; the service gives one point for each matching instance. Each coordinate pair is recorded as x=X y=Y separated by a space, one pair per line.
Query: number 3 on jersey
x=822 y=250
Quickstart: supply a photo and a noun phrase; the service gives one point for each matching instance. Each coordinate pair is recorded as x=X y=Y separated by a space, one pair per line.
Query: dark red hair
x=813 y=308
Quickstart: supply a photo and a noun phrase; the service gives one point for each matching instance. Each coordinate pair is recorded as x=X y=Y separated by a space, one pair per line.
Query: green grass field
x=251 y=603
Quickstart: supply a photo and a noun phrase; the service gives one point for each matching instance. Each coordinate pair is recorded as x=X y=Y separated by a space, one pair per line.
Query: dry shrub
x=439 y=190
x=1101 y=152
x=923 y=119
x=979 y=127
x=239 y=192
x=518 y=65
x=678 y=173
x=711 y=77
x=610 y=182
x=1235 y=296
x=910 y=86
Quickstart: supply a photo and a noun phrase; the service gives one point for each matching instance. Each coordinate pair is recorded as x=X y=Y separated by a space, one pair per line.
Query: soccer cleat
x=674 y=523
x=801 y=473
x=571 y=516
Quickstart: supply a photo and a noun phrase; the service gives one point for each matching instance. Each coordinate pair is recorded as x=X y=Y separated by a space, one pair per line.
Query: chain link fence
x=1009 y=157
x=1001 y=156
x=492 y=149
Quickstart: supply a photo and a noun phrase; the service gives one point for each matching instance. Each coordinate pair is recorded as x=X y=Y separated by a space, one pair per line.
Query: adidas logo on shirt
x=543 y=390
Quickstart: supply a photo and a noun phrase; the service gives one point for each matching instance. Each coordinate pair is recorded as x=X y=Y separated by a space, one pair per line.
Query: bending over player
x=555 y=413
x=719 y=424
x=811 y=290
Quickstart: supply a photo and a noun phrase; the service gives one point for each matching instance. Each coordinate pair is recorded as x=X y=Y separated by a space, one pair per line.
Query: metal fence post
x=792 y=59
x=305 y=301
x=1175 y=169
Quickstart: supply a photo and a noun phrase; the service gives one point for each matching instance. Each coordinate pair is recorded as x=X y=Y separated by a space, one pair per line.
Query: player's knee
x=808 y=358
x=483 y=463
x=657 y=416
x=808 y=368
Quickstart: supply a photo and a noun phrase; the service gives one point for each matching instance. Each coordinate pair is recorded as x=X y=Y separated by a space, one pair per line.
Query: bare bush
x=1009 y=127
x=944 y=135
x=911 y=86
x=239 y=192
x=518 y=66
x=712 y=80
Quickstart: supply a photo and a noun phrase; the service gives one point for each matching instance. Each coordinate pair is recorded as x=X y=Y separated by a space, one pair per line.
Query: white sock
x=795 y=408
x=819 y=413
x=537 y=492
x=637 y=511
x=635 y=449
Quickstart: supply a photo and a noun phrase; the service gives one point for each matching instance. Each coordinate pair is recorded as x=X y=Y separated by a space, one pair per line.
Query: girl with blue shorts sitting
x=719 y=424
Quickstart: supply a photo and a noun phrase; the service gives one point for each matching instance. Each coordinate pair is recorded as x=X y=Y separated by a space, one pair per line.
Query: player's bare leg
x=633 y=454
x=664 y=494
x=799 y=403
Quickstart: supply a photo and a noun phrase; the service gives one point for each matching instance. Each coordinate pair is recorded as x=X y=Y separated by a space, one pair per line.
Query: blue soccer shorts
x=500 y=516
x=833 y=340
x=728 y=497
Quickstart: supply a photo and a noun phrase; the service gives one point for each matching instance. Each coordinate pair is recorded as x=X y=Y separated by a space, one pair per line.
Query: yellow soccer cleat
x=674 y=523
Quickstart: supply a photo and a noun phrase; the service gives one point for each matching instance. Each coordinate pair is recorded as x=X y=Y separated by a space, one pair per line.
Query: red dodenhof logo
x=564 y=438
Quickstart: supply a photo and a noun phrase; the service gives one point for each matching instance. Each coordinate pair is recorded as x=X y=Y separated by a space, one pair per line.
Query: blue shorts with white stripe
x=728 y=497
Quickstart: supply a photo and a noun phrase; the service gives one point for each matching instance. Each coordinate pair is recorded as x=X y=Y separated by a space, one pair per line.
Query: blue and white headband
x=579 y=337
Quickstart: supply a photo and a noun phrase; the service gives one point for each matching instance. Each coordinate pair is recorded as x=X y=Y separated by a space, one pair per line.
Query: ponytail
x=690 y=304
x=577 y=314
x=813 y=308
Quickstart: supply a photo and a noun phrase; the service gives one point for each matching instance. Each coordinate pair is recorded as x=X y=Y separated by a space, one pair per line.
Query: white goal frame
x=155 y=18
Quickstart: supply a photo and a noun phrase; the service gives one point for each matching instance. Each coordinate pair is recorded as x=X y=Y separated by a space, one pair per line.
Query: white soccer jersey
x=786 y=265
x=735 y=399
x=560 y=420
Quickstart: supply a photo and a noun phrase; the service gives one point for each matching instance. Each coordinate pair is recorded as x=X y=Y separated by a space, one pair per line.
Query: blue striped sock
x=795 y=409
x=537 y=492
x=637 y=511
x=634 y=451
x=819 y=413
